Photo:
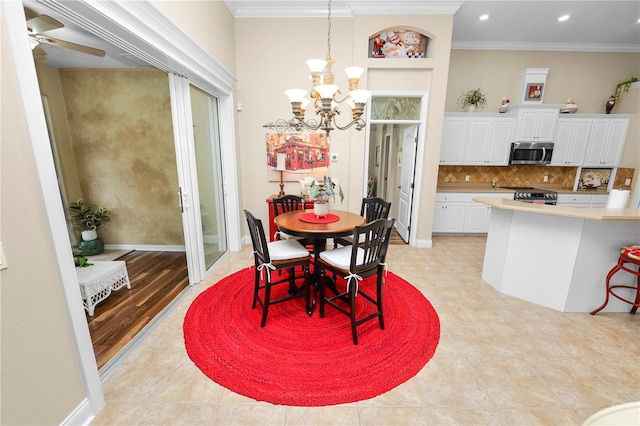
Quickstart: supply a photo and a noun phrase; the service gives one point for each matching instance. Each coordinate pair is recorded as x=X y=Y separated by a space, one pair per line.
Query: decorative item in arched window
x=398 y=43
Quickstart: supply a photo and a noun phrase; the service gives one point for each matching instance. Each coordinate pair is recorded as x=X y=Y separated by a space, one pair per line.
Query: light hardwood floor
x=156 y=279
x=500 y=360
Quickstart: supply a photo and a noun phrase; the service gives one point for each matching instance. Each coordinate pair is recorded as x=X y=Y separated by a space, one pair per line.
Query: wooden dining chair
x=351 y=264
x=371 y=209
x=277 y=256
x=284 y=204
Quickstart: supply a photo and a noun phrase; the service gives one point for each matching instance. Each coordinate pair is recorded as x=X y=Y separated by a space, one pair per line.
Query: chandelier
x=324 y=95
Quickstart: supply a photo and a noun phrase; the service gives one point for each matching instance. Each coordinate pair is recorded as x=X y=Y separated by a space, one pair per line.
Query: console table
x=99 y=280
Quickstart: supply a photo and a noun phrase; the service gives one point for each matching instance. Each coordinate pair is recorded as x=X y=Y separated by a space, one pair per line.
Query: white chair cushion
x=286 y=249
x=341 y=257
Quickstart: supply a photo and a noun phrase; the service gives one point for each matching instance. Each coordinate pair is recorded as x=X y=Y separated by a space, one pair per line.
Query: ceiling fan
x=43 y=23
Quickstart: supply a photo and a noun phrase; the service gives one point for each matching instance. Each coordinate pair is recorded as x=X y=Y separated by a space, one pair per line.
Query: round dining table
x=297 y=223
x=292 y=224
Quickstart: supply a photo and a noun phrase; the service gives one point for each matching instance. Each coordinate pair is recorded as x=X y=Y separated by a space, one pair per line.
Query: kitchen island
x=557 y=256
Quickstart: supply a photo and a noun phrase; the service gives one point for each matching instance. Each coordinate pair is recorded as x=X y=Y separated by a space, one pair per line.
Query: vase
x=471 y=108
x=91 y=248
x=321 y=208
x=89 y=235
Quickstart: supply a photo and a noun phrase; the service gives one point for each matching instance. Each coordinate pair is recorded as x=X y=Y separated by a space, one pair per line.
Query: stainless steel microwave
x=531 y=153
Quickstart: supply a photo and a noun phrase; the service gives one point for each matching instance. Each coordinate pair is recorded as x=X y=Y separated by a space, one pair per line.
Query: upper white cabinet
x=606 y=141
x=476 y=139
x=454 y=135
x=536 y=124
x=489 y=140
x=572 y=138
x=589 y=140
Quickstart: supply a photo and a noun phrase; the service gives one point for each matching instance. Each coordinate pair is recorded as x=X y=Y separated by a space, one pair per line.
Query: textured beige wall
x=40 y=370
x=122 y=136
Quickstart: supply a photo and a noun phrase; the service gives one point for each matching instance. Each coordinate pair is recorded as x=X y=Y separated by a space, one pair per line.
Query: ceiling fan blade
x=74 y=46
x=39 y=53
x=43 y=23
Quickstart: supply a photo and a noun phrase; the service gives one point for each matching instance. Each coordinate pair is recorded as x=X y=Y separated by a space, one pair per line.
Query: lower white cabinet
x=583 y=200
x=449 y=212
x=477 y=220
x=457 y=213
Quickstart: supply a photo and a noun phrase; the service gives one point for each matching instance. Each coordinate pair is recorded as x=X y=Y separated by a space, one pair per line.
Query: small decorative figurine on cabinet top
x=570 y=107
x=610 y=104
x=504 y=104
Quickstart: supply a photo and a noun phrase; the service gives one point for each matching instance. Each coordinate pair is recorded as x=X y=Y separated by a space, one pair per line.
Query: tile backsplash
x=523 y=175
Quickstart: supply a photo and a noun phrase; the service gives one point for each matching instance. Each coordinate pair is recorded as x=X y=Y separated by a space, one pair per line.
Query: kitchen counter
x=564 y=211
x=557 y=256
x=486 y=187
x=470 y=188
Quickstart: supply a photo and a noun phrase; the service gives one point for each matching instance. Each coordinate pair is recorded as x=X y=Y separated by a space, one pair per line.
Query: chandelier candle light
x=281 y=167
x=324 y=94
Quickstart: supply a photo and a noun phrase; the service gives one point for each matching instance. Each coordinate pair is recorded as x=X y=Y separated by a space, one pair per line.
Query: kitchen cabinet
x=599 y=201
x=454 y=135
x=571 y=141
x=606 y=142
x=536 y=124
x=583 y=200
x=458 y=213
x=488 y=140
x=477 y=218
x=449 y=212
x=476 y=139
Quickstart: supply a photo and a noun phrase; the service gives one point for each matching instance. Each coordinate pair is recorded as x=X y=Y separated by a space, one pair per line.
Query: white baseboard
x=424 y=243
x=82 y=415
x=143 y=247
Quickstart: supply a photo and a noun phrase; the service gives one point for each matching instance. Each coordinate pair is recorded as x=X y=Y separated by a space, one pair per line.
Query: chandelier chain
x=329 y=32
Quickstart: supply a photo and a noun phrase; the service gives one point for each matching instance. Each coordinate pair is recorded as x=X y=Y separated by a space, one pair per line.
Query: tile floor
x=500 y=361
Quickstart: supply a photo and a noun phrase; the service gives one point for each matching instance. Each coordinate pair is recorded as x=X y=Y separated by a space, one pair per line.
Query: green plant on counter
x=624 y=87
x=473 y=97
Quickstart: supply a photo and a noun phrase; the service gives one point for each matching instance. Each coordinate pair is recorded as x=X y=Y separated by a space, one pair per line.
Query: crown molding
x=339 y=9
x=562 y=47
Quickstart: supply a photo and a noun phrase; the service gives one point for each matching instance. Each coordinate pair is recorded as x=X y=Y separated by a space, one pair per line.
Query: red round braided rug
x=308 y=361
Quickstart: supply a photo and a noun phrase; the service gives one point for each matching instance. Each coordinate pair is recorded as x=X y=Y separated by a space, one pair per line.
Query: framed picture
x=534 y=92
x=304 y=154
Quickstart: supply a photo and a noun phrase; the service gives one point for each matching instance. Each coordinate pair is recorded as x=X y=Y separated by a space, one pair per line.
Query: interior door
x=405 y=196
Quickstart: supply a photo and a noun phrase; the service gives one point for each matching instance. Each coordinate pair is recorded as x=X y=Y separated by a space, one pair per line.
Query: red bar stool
x=628 y=255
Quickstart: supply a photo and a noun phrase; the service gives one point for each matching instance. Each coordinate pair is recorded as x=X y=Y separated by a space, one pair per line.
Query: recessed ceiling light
x=563 y=18
x=483 y=17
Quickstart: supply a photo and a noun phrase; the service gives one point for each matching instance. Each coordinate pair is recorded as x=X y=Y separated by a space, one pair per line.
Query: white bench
x=97 y=281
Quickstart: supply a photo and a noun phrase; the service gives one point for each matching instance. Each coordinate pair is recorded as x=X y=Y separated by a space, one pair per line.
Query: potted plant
x=623 y=87
x=89 y=218
x=472 y=99
x=322 y=192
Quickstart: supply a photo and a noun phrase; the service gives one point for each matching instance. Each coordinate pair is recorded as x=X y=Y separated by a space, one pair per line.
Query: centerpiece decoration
x=321 y=192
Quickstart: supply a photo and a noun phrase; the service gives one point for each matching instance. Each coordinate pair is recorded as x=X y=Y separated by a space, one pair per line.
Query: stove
x=529 y=194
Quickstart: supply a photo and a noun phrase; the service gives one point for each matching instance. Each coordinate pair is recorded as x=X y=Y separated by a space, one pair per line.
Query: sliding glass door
x=206 y=137
x=198 y=153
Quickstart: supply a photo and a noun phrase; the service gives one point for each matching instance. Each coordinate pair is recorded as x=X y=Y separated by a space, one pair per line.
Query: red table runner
x=312 y=218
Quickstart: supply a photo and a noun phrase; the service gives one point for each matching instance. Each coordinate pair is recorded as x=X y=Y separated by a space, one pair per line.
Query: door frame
x=422 y=131
x=131 y=26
